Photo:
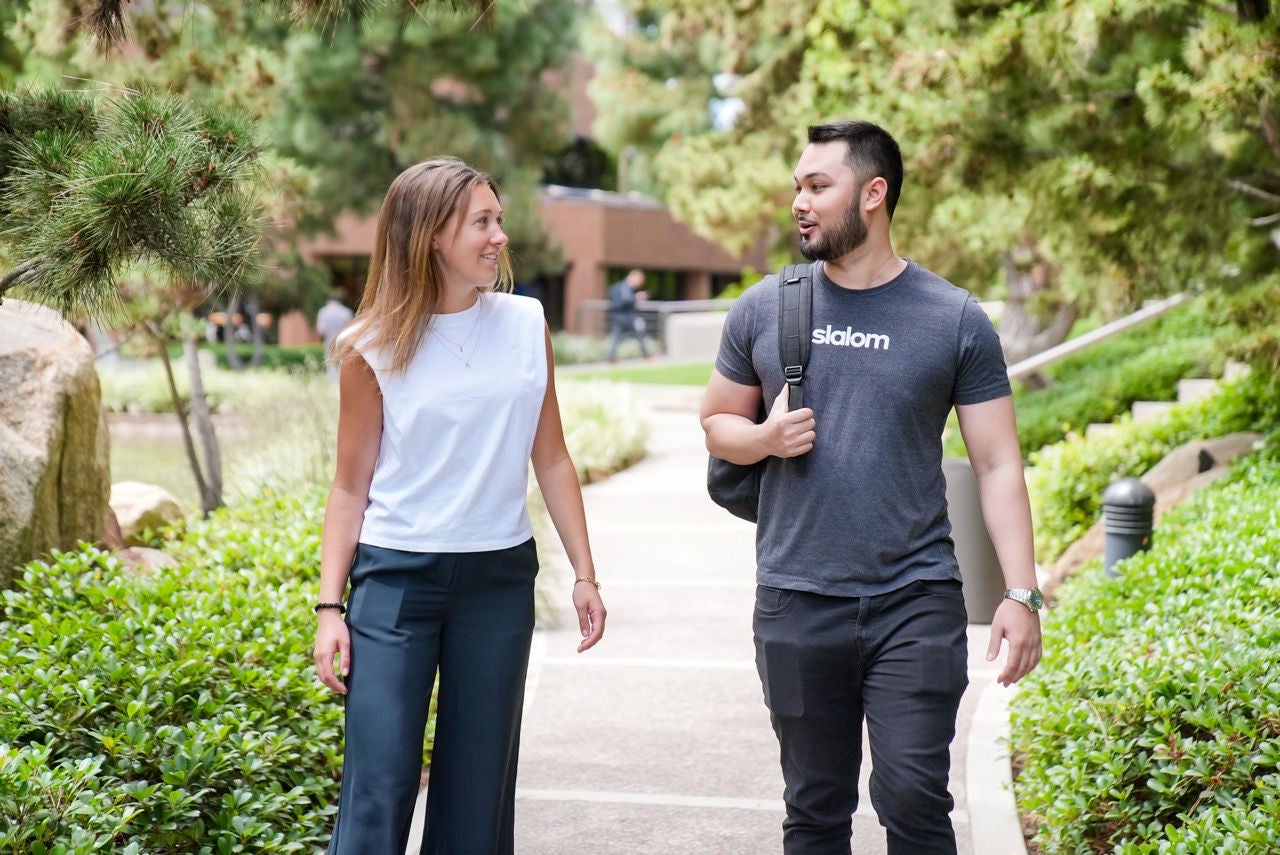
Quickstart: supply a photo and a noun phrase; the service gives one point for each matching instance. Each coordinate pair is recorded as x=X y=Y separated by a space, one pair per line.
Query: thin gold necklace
x=461 y=355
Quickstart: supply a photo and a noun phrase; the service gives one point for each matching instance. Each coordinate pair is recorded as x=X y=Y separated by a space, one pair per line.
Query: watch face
x=1036 y=600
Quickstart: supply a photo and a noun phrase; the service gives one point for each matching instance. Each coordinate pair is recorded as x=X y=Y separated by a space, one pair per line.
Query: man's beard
x=849 y=234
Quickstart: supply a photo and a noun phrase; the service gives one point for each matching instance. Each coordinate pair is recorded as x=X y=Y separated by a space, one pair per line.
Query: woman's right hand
x=332 y=639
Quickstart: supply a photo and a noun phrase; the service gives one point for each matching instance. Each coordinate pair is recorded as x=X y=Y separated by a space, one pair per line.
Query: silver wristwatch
x=1029 y=597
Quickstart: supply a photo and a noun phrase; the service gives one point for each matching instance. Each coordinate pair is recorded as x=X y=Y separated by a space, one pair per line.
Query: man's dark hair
x=871 y=152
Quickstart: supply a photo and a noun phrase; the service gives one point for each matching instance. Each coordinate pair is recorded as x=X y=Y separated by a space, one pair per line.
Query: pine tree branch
x=24 y=271
x=106 y=21
x=1256 y=192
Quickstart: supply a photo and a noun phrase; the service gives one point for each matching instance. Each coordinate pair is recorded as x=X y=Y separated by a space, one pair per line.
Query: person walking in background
x=331 y=320
x=447 y=394
x=623 y=317
x=859 y=612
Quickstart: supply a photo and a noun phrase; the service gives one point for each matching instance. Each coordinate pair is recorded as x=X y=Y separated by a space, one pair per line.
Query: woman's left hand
x=591 y=613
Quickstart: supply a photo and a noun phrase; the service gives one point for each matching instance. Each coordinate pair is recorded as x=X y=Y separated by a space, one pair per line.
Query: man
x=859 y=612
x=332 y=318
x=623 y=319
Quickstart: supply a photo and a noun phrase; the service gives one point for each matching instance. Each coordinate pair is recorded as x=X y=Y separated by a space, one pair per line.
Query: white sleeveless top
x=453 y=465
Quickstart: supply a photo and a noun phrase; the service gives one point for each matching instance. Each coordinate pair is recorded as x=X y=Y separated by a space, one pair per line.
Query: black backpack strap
x=795 y=315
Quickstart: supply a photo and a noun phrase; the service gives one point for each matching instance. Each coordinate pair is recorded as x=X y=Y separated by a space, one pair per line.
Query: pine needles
x=90 y=185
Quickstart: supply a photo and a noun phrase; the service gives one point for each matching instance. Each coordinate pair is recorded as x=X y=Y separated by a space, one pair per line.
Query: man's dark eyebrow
x=815 y=174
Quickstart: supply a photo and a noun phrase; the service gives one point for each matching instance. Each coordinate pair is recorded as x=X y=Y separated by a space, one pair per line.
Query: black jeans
x=899 y=660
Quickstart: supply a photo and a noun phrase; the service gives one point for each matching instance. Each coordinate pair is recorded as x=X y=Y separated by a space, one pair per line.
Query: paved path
x=657 y=742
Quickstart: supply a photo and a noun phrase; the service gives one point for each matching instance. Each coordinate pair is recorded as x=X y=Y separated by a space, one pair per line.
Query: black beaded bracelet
x=342 y=610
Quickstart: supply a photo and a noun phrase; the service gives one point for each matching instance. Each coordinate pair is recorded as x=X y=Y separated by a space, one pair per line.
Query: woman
x=447 y=393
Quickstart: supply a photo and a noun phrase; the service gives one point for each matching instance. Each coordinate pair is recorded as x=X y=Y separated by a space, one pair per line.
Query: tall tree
x=361 y=103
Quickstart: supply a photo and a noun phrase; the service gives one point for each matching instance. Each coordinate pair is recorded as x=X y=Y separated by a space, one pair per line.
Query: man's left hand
x=1021 y=627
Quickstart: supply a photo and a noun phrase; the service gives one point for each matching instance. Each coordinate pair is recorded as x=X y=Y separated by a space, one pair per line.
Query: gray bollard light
x=1127 y=511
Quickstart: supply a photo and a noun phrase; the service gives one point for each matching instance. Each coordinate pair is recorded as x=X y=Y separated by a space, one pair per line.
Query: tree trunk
x=211 y=495
x=229 y=327
x=187 y=443
x=1034 y=317
x=252 y=309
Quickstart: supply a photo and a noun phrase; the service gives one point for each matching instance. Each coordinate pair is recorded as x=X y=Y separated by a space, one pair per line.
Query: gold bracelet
x=588 y=580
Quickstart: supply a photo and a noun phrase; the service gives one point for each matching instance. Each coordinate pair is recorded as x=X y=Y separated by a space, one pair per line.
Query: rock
x=1185 y=462
x=112 y=538
x=140 y=506
x=54 y=453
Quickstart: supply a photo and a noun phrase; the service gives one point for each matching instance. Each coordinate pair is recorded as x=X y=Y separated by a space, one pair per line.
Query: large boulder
x=55 y=473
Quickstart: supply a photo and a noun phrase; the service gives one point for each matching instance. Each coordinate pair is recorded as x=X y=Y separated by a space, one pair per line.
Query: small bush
x=604 y=427
x=1153 y=723
x=163 y=712
x=302 y=357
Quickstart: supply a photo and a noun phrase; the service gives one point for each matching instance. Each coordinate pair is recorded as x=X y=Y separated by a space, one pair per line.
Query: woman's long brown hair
x=405 y=281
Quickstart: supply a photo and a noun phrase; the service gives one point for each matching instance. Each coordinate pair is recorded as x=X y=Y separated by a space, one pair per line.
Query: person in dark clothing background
x=623 y=317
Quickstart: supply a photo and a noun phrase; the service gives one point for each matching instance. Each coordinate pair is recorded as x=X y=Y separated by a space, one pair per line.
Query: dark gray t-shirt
x=865 y=511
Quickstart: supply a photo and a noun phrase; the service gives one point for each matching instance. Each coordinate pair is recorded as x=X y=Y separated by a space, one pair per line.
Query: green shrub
x=169 y=711
x=1066 y=480
x=1102 y=383
x=575 y=349
x=302 y=357
x=1145 y=363
x=1048 y=415
x=1153 y=723
x=604 y=427
x=276 y=535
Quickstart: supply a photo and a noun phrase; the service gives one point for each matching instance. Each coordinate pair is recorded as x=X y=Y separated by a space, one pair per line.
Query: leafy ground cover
x=1102 y=383
x=168 y=711
x=1153 y=723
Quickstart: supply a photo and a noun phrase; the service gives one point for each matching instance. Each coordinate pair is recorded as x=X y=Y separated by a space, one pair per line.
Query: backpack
x=735 y=487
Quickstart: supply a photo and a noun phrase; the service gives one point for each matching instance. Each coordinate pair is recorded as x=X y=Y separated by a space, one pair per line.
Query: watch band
x=1029 y=597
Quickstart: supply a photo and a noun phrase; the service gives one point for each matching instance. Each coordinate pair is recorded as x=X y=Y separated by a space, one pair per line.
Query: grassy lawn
x=669 y=373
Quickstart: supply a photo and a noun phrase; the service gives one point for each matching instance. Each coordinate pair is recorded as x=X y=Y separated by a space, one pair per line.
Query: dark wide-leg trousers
x=899 y=660
x=468 y=617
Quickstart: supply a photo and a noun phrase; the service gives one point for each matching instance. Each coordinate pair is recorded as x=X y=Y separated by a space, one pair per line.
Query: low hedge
x=166 y=711
x=1105 y=393
x=1153 y=723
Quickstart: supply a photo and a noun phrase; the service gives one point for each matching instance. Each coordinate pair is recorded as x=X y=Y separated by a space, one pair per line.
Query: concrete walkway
x=657 y=741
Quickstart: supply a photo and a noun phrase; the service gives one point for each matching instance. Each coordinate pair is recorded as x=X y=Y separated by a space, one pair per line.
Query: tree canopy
x=345 y=101
x=1125 y=147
